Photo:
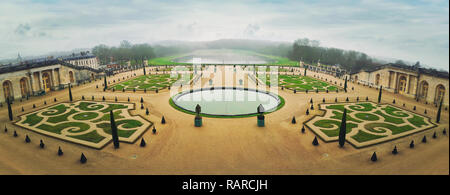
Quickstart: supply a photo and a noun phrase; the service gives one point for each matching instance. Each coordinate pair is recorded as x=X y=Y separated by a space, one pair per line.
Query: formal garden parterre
x=301 y=83
x=152 y=82
x=368 y=123
x=86 y=122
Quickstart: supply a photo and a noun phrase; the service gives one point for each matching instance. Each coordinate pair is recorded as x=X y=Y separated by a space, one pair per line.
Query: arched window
x=440 y=92
x=7 y=90
x=423 y=90
x=24 y=87
x=377 y=79
x=72 y=80
x=402 y=84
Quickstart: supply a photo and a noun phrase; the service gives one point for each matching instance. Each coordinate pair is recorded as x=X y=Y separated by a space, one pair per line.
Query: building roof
x=77 y=56
x=41 y=63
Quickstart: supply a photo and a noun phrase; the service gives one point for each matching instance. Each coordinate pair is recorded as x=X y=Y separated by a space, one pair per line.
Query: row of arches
x=25 y=88
x=439 y=91
x=423 y=88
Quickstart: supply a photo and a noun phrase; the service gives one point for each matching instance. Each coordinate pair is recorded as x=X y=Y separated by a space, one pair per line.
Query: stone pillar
x=40 y=81
x=59 y=76
x=396 y=83
x=52 y=79
x=408 y=81
x=17 y=92
x=389 y=79
x=31 y=82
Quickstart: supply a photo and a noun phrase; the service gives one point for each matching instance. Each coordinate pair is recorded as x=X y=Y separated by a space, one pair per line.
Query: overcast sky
x=413 y=30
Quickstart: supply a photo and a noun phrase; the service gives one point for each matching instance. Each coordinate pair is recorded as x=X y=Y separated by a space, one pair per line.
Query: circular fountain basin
x=227 y=101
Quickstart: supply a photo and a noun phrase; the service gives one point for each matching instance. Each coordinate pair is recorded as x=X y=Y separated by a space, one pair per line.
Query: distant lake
x=223 y=56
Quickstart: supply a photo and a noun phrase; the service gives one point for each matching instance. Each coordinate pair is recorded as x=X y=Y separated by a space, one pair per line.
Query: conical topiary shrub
x=114 y=132
x=343 y=129
x=154 y=130
x=303 y=129
x=10 y=113
x=307 y=111
x=142 y=100
x=146 y=111
x=293 y=120
x=128 y=99
x=143 y=143
x=434 y=135
x=379 y=94
x=83 y=158
x=312 y=107
x=315 y=142
x=15 y=134
x=438 y=115
x=6 y=129
x=70 y=93
x=323 y=100
x=374 y=157
x=27 y=139
x=163 y=120
x=411 y=145
x=424 y=139
x=142 y=106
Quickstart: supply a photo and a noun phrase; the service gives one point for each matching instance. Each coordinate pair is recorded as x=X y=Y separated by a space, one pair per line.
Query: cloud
x=413 y=30
x=250 y=30
x=22 y=29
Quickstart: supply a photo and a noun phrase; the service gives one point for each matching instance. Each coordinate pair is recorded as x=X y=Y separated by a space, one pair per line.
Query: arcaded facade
x=424 y=84
x=38 y=78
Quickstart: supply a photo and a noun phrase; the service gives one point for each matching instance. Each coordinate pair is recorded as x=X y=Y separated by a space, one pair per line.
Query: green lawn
x=303 y=83
x=83 y=120
x=151 y=82
x=372 y=122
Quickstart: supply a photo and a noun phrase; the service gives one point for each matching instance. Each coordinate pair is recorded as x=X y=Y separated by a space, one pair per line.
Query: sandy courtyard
x=222 y=146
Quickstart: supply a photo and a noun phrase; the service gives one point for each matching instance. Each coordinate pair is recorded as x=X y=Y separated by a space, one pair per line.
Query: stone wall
x=389 y=78
x=59 y=77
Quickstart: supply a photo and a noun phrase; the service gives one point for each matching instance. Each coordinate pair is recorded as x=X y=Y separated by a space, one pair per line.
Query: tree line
x=136 y=53
x=306 y=50
x=310 y=51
